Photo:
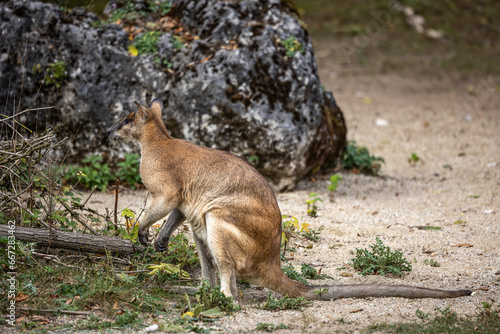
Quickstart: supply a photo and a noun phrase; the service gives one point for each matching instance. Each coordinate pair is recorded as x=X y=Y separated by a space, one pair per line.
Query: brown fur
x=233 y=212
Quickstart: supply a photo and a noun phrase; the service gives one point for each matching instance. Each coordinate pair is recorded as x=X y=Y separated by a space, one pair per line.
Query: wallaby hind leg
x=157 y=210
x=220 y=237
x=208 y=269
x=175 y=219
x=228 y=280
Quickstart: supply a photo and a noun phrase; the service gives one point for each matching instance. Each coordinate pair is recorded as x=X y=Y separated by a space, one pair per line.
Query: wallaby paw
x=159 y=247
x=144 y=239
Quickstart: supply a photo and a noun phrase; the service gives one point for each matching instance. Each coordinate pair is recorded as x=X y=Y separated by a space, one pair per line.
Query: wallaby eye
x=127 y=120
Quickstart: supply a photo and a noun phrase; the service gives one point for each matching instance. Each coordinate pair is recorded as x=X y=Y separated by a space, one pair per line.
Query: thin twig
x=90 y=195
x=75 y=215
x=52 y=258
x=23 y=112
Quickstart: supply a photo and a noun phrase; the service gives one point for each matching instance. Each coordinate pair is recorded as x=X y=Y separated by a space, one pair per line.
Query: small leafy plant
x=334 y=183
x=292 y=46
x=321 y=291
x=290 y=271
x=211 y=298
x=253 y=159
x=414 y=158
x=285 y=303
x=129 y=170
x=180 y=251
x=56 y=73
x=312 y=234
x=380 y=260
x=94 y=173
x=290 y=225
x=432 y=263
x=147 y=43
x=310 y=272
x=311 y=204
x=359 y=159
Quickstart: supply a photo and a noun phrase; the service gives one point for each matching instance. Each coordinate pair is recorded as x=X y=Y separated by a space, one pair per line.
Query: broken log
x=76 y=241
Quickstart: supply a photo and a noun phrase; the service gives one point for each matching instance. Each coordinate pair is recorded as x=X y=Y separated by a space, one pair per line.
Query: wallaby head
x=132 y=126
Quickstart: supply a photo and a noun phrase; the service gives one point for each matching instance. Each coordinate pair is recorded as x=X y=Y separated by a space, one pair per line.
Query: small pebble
x=152 y=328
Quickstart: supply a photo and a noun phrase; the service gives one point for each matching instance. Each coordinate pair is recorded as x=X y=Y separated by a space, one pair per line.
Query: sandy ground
x=454 y=127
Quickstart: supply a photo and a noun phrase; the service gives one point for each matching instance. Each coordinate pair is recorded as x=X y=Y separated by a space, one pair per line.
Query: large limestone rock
x=234 y=85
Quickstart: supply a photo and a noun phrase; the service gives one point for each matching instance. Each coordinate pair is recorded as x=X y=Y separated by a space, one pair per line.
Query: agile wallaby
x=233 y=212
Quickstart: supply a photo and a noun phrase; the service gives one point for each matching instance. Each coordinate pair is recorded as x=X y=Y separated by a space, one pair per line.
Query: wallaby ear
x=156 y=107
x=143 y=111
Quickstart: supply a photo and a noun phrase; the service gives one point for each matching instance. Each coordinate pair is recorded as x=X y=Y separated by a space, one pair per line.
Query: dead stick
x=90 y=195
x=56 y=311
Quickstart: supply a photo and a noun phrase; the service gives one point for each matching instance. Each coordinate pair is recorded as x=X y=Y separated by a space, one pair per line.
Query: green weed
x=56 y=74
x=290 y=271
x=413 y=159
x=311 y=204
x=422 y=315
x=290 y=226
x=129 y=170
x=209 y=298
x=269 y=327
x=180 y=251
x=432 y=263
x=321 y=291
x=147 y=43
x=285 y=303
x=253 y=159
x=334 y=183
x=312 y=234
x=359 y=158
x=380 y=261
x=292 y=46
x=93 y=173
x=96 y=173
x=310 y=272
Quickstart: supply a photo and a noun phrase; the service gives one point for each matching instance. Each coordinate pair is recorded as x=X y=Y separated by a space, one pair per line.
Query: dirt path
x=453 y=126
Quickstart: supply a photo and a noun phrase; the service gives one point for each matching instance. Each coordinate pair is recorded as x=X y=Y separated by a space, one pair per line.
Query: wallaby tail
x=366 y=290
x=279 y=282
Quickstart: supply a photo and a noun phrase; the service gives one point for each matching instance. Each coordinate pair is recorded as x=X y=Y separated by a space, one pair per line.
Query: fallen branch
x=56 y=311
x=76 y=241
